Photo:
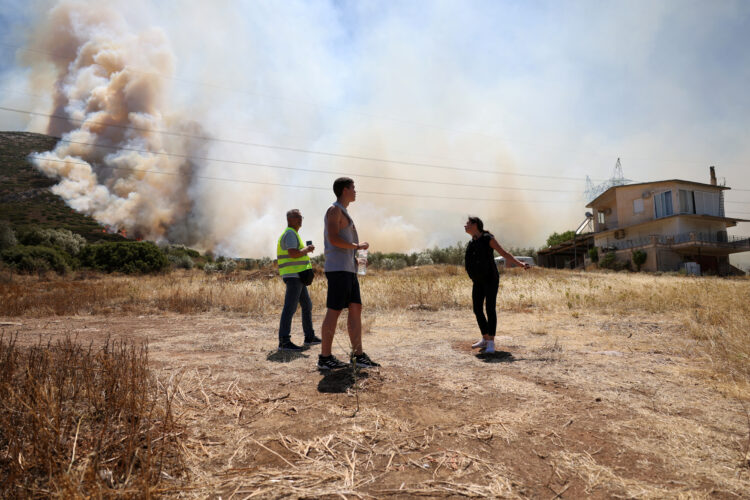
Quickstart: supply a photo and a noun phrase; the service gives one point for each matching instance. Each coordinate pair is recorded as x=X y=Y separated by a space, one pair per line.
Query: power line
x=285 y=148
x=225 y=179
x=268 y=165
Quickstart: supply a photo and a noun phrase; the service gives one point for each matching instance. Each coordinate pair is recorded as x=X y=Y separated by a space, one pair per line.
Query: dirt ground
x=581 y=406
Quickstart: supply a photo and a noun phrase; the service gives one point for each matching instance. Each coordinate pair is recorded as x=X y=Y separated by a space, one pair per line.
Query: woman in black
x=481 y=267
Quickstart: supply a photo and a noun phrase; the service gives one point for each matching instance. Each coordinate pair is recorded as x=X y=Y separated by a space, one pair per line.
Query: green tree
x=639 y=258
x=556 y=239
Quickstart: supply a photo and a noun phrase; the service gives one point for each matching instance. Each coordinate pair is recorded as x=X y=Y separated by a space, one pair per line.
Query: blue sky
x=549 y=88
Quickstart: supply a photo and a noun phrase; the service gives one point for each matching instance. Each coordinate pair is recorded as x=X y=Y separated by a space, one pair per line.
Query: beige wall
x=625 y=197
x=694 y=225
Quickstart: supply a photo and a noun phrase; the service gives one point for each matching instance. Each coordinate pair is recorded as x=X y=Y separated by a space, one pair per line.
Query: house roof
x=613 y=188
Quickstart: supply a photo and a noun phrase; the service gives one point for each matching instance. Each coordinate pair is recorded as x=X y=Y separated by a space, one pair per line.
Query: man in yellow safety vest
x=293 y=258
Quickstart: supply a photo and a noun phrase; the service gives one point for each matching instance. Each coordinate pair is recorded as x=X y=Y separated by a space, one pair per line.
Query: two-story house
x=679 y=224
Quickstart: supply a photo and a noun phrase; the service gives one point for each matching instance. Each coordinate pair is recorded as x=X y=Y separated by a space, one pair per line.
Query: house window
x=687 y=202
x=706 y=203
x=663 y=204
x=600 y=217
x=637 y=206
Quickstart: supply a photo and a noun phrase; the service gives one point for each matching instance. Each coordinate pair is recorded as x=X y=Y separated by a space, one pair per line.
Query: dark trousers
x=296 y=293
x=485 y=292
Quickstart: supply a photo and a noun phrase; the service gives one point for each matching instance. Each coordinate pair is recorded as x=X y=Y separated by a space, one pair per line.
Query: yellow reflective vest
x=287 y=264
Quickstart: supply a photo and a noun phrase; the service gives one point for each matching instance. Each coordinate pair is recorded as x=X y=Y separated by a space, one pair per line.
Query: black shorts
x=343 y=289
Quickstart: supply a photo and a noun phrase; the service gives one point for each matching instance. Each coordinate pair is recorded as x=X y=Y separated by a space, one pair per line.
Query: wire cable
x=268 y=165
x=226 y=179
x=291 y=149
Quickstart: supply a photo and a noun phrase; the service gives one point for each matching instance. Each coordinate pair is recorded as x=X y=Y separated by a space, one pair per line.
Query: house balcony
x=694 y=242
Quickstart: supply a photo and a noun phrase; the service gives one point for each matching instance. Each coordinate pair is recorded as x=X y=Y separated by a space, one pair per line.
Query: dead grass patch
x=713 y=310
x=79 y=422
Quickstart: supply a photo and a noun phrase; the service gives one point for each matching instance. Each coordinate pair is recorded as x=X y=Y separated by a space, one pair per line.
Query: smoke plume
x=275 y=90
x=113 y=162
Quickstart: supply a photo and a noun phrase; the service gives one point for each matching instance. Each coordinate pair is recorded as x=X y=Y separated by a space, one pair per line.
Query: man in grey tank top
x=341 y=244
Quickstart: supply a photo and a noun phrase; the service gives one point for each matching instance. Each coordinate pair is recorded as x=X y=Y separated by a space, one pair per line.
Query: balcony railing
x=680 y=239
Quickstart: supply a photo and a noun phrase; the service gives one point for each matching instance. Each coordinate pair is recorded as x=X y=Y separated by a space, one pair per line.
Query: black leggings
x=481 y=292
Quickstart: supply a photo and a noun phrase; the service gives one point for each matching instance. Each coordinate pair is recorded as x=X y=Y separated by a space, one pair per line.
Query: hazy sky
x=548 y=91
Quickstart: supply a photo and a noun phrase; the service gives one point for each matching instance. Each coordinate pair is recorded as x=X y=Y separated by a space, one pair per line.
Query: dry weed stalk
x=78 y=422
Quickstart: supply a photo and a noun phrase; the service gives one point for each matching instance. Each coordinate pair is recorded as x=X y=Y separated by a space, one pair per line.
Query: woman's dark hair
x=479 y=223
x=341 y=183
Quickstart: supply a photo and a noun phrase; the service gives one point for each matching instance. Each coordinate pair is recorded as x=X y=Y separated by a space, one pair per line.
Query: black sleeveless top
x=480 y=259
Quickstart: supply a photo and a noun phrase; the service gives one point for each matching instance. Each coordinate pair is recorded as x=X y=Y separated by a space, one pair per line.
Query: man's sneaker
x=313 y=341
x=364 y=361
x=289 y=346
x=479 y=345
x=330 y=363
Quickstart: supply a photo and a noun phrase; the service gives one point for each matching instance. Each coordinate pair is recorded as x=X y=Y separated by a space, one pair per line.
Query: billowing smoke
x=154 y=120
x=113 y=160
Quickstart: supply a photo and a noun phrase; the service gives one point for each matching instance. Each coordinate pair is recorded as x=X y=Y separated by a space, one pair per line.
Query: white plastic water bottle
x=361 y=262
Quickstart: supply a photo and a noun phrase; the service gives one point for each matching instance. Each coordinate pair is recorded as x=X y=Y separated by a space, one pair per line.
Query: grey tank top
x=340 y=259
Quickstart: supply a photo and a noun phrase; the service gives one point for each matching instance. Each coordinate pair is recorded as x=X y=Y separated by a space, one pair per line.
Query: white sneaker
x=489 y=347
x=480 y=344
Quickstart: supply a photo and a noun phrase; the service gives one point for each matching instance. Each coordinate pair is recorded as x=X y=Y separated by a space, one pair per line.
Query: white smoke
x=111 y=158
x=119 y=81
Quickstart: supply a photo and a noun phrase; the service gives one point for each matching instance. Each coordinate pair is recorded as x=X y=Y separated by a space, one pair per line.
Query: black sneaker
x=330 y=363
x=313 y=341
x=289 y=346
x=364 y=361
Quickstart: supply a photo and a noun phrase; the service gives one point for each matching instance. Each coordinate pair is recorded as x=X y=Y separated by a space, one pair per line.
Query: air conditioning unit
x=619 y=234
x=646 y=194
x=607 y=211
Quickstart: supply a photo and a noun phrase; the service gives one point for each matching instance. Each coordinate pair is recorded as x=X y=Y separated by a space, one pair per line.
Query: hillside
x=25 y=198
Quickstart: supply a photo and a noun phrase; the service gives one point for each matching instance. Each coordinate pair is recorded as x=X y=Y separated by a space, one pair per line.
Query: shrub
x=181 y=261
x=31 y=259
x=609 y=261
x=639 y=258
x=227 y=265
x=594 y=254
x=424 y=259
x=7 y=236
x=181 y=251
x=448 y=255
x=128 y=257
x=62 y=239
x=392 y=263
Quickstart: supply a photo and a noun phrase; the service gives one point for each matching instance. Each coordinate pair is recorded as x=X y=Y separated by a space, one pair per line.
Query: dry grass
x=81 y=422
x=713 y=310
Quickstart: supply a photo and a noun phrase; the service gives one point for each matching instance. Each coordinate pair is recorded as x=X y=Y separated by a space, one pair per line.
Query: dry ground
x=599 y=398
